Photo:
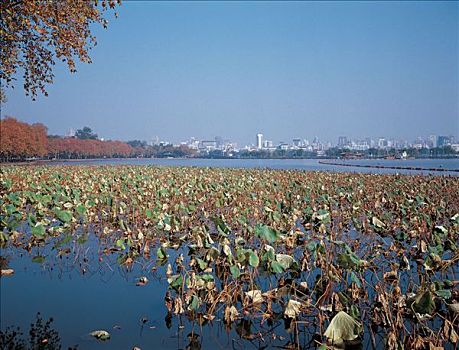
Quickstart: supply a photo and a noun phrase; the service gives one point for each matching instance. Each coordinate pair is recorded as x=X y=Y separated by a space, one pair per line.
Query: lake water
x=85 y=290
x=289 y=164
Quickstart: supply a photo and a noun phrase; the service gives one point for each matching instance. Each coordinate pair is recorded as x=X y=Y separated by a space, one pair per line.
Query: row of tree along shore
x=21 y=141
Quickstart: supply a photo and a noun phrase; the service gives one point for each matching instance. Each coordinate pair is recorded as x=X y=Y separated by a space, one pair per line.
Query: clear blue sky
x=286 y=69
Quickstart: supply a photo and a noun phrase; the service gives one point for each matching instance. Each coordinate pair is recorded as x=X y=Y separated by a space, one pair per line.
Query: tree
x=137 y=143
x=21 y=140
x=86 y=134
x=34 y=33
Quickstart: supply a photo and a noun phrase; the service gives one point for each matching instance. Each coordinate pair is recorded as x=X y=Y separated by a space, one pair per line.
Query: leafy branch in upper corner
x=34 y=33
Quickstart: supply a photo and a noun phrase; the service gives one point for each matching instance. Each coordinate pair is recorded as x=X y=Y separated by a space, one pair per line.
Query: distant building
x=343 y=141
x=359 y=145
x=208 y=145
x=70 y=133
x=283 y=146
x=267 y=144
x=432 y=141
x=259 y=141
x=219 y=141
x=443 y=141
x=193 y=143
x=382 y=142
x=297 y=142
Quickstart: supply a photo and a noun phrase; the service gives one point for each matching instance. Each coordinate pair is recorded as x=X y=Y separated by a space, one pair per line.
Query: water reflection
x=41 y=336
x=96 y=289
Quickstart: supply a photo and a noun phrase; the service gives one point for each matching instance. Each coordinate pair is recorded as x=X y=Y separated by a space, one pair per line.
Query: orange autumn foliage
x=19 y=140
x=75 y=148
x=35 y=34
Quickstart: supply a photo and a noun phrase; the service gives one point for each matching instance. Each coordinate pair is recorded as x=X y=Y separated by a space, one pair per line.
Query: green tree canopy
x=86 y=134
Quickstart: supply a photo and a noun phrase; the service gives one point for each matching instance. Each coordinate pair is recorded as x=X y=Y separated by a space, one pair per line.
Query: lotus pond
x=162 y=257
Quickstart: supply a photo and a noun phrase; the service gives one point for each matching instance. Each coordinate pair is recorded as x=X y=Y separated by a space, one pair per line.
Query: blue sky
x=286 y=69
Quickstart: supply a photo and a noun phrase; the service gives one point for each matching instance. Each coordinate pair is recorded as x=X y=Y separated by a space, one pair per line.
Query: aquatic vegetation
x=100 y=334
x=41 y=335
x=335 y=257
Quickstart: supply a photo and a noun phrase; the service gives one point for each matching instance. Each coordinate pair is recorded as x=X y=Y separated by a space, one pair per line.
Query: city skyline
x=201 y=69
x=157 y=139
x=261 y=142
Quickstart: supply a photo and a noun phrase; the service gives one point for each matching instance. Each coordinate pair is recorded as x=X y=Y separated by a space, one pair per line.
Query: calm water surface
x=86 y=291
x=289 y=164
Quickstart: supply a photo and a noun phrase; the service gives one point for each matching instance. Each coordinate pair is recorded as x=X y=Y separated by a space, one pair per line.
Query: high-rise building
x=219 y=142
x=342 y=141
x=432 y=141
x=382 y=142
x=443 y=141
x=259 y=141
x=267 y=144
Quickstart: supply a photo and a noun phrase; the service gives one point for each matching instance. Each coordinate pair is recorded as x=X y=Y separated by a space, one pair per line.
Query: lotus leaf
x=342 y=327
x=100 y=334
x=423 y=303
x=267 y=233
x=293 y=308
x=255 y=296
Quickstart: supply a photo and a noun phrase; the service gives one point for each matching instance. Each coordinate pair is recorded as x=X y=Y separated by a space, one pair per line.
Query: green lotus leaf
x=276 y=267
x=161 y=253
x=120 y=244
x=267 y=233
x=235 y=271
x=201 y=263
x=253 y=259
x=81 y=209
x=194 y=303
x=443 y=293
x=38 y=230
x=64 y=216
x=175 y=281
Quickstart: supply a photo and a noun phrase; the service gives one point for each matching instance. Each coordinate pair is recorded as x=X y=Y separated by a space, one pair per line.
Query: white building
x=259 y=141
x=267 y=144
